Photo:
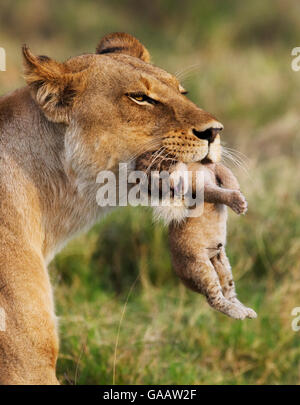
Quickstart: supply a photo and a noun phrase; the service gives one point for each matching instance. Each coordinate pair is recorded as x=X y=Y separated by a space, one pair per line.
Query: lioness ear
x=120 y=42
x=52 y=85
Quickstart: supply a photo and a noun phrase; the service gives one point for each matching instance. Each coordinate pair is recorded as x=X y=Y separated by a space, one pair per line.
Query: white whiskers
x=183 y=73
x=146 y=147
x=237 y=158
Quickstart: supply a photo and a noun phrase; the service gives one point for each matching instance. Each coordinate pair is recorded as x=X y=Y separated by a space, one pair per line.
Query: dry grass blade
x=119 y=328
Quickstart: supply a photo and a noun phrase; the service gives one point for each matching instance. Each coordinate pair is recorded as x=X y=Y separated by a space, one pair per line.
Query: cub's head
x=116 y=105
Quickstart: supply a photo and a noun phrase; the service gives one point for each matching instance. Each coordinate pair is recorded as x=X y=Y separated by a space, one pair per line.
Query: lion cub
x=198 y=243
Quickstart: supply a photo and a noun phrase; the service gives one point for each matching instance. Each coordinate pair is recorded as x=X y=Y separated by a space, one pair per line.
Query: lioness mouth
x=206 y=160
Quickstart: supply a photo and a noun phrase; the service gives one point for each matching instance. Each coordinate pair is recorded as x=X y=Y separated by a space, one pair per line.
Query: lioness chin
x=71 y=121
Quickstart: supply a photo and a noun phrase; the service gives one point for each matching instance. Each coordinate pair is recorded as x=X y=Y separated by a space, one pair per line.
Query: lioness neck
x=39 y=190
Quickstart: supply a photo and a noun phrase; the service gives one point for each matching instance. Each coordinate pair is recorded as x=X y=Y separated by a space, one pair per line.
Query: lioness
x=71 y=121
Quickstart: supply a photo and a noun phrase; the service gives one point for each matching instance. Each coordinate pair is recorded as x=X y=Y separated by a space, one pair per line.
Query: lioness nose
x=209 y=134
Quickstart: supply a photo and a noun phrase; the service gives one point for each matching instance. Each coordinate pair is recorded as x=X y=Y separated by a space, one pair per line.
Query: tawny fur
x=198 y=243
x=71 y=121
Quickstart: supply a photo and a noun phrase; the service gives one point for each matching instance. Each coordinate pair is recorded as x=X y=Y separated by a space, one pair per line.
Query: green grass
x=169 y=335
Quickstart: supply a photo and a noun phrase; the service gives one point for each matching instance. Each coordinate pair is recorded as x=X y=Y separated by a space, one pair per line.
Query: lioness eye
x=141 y=98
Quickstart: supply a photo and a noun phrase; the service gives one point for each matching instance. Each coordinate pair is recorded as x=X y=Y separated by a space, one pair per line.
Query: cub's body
x=197 y=243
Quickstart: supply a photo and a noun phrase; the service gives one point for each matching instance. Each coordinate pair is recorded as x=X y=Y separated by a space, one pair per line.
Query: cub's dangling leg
x=201 y=277
x=223 y=269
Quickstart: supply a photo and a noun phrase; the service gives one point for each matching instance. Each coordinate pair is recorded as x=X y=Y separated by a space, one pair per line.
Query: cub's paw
x=229 y=308
x=251 y=313
x=238 y=202
x=236 y=312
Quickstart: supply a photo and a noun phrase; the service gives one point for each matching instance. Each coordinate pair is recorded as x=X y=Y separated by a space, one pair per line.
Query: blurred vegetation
x=234 y=58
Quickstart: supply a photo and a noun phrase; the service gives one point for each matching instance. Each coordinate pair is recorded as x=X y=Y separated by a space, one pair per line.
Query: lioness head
x=116 y=105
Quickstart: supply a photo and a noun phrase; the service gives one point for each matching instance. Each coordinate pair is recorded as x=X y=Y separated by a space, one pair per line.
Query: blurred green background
x=235 y=59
